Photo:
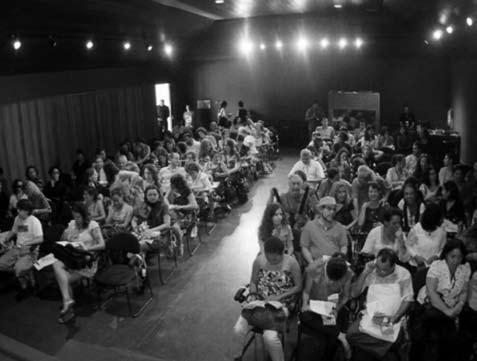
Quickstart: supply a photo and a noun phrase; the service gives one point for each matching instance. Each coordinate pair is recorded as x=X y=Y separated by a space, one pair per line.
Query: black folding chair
x=119 y=275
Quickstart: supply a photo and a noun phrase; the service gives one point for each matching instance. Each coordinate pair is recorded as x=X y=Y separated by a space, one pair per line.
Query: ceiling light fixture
x=219 y=1
x=127 y=45
x=437 y=34
x=469 y=21
x=342 y=43
x=168 y=49
x=278 y=44
x=338 y=6
x=324 y=43
x=358 y=43
x=302 y=43
x=450 y=29
x=245 y=46
x=89 y=44
x=17 y=44
x=263 y=46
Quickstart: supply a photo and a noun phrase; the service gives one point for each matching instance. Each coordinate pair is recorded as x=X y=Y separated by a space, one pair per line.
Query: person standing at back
x=163 y=114
x=313 y=117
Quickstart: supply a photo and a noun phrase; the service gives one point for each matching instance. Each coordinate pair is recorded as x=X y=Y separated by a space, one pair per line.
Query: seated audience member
x=446 y=173
x=430 y=187
x=360 y=185
x=387 y=235
x=41 y=207
x=323 y=236
x=396 y=174
x=422 y=167
x=411 y=205
x=199 y=181
x=125 y=164
x=165 y=174
x=131 y=186
x=206 y=148
x=31 y=174
x=190 y=157
x=313 y=170
x=141 y=151
x=451 y=205
x=17 y=195
x=103 y=178
x=333 y=176
x=274 y=223
x=390 y=291
x=79 y=166
x=111 y=170
x=327 y=277
x=119 y=213
x=371 y=156
x=149 y=174
x=413 y=159
x=182 y=204
x=325 y=131
x=275 y=277
x=55 y=189
x=341 y=162
x=20 y=258
x=151 y=218
x=86 y=235
x=371 y=212
x=459 y=176
x=385 y=139
x=342 y=143
x=442 y=300
x=91 y=179
x=242 y=149
x=426 y=239
x=403 y=141
x=345 y=212
x=293 y=199
x=192 y=145
x=94 y=205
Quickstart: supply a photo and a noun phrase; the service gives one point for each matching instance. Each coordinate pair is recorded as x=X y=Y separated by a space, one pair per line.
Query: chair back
x=419 y=280
x=118 y=247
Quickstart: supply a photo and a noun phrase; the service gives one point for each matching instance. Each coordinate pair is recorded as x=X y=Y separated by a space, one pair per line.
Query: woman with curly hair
x=275 y=223
x=149 y=174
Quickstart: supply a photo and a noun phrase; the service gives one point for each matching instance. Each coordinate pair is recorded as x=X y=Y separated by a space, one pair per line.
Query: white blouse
x=448 y=287
x=425 y=244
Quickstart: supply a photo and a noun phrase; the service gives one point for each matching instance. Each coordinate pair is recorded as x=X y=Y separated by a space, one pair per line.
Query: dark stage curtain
x=47 y=131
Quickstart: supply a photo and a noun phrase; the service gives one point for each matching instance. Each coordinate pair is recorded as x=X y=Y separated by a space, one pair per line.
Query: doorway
x=163 y=92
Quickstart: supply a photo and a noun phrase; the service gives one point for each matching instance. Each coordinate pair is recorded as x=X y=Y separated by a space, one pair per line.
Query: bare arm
x=362 y=214
x=99 y=240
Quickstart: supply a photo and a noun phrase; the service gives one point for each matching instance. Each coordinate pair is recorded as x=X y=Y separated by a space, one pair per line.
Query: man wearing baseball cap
x=323 y=236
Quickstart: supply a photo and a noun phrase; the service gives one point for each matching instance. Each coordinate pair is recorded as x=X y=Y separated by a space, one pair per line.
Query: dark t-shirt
x=154 y=216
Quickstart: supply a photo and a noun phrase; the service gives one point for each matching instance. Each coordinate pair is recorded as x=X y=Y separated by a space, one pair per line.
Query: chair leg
x=129 y=301
x=159 y=267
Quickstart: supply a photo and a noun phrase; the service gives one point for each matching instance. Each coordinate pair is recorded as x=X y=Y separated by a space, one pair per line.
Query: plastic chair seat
x=116 y=275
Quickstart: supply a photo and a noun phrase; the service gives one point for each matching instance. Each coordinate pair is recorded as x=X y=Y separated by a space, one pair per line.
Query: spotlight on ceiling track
x=126 y=45
x=219 y=1
x=245 y=46
x=437 y=34
x=149 y=47
x=278 y=44
x=469 y=21
x=168 y=49
x=16 y=44
x=426 y=42
x=324 y=43
x=263 y=46
x=338 y=6
x=302 y=43
x=358 y=43
x=342 y=43
x=89 y=44
x=450 y=29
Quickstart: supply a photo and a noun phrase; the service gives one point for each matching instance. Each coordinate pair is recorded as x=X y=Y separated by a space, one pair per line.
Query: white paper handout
x=44 y=261
x=325 y=309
